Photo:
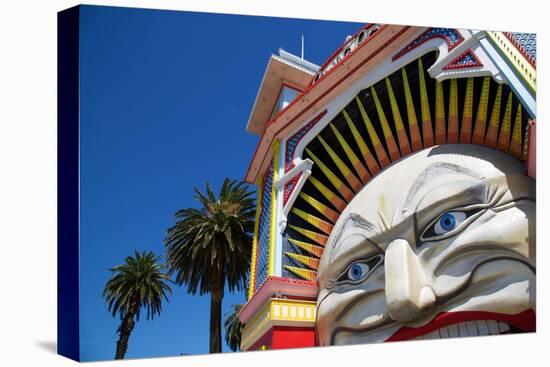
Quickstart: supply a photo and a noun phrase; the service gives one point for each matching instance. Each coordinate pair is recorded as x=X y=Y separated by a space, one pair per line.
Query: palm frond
x=215 y=237
x=141 y=282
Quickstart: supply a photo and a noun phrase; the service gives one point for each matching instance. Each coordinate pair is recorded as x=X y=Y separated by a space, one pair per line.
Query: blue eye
x=361 y=269
x=358 y=271
x=451 y=223
x=448 y=221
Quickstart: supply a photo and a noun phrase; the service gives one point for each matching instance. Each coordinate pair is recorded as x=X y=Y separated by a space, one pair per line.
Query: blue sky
x=165 y=97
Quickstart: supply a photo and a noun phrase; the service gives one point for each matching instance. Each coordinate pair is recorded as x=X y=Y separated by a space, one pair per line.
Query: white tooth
x=493 y=327
x=435 y=335
x=453 y=331
x=431 y=335
x=482 y=327
x=444 y=332
x=503 y=327
x=462 y=329
x=472 y=328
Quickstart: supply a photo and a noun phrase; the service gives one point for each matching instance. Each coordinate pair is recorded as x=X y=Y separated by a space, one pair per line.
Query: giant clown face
x=439 y=244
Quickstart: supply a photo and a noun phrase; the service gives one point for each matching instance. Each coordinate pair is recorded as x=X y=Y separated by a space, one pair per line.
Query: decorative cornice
x=277 y=285
x=467 y=59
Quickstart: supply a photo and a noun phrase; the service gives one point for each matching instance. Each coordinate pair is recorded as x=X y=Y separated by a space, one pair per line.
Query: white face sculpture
x=440 y=244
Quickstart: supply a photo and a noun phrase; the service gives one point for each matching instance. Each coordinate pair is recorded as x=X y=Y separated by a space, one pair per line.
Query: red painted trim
x=285 y=84
x=453 y=64
x=525 y=320
x=341 y=47
x=520 y=48
x=352 y=71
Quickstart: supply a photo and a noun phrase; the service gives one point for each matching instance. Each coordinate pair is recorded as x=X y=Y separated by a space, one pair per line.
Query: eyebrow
x=356 y=220
x=436 y=169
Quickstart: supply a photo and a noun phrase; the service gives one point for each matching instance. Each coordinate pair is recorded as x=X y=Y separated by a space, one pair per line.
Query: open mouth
x=469 y=323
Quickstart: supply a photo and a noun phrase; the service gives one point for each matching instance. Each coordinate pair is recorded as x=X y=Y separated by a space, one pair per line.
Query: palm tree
x=233 y=328
x=210 y=247
x=137 y=283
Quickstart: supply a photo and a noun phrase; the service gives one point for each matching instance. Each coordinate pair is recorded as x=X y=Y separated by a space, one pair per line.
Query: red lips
x=525 y=321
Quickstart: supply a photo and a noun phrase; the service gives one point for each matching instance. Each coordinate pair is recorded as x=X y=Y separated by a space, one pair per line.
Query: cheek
x=504 y=233
x=510 y=231
x=352 y=306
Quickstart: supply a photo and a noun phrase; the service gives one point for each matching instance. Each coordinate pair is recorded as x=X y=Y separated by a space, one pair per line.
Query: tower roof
x=283 y=69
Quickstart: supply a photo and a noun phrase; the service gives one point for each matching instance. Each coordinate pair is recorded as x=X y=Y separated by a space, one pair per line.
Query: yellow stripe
x=317 y=222
x=334 y=199
x=273 y=209
x=504 y=135
x=495 y=114
x=411 y=113
x=381 y=154
x=355 y=161
x=394 y=108
x=440 y=131
x=320 y=207
x=468 y=99
x=255 y=240
x=439 y=106
x=339 y=163
x=321 y=239
x=304 y=273
x=370 y=129
x=358 y=139
x=452 y=126
x=467 y=111
x=347 y=149
x=416 y=138
x=334 y=180
x=481 y=117
x=453 y=102
x=381 y=116
x=369 y=158
x=402 y=137
x=492 y=132
x=312 y=249
x=424 y=104
x=515 y=145
x=311 y=262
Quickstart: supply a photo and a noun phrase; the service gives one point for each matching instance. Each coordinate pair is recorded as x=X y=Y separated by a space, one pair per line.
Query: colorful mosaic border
x=467 y=59
x=451 y=36
x=295 y=139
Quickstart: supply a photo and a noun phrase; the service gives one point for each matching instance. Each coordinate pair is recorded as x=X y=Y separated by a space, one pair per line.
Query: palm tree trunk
x=216 y=297
x=125 y=329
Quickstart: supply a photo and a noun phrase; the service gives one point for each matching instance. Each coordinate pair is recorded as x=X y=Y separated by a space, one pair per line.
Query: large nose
x=408 y=294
